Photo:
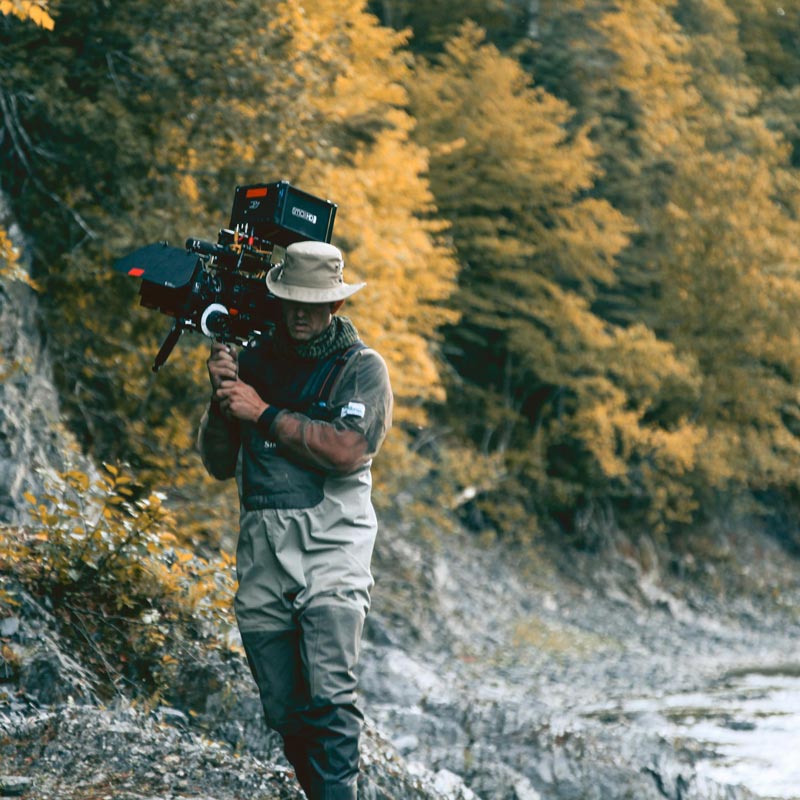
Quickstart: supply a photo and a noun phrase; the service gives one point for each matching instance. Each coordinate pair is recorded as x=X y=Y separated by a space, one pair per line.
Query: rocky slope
x=522 y=681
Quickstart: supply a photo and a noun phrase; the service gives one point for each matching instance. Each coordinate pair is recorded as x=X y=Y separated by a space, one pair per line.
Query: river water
x=748 y=726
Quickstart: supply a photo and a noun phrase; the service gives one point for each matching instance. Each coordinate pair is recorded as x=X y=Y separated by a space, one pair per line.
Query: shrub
x=135 y=604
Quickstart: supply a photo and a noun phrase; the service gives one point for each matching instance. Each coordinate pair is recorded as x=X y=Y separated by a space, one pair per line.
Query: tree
x=540 y=374
x=733 y=273
x=432 y=24
x=713 y=267
x=386 y=224
x=9 y=257
x=769 y=35
x=36 y=11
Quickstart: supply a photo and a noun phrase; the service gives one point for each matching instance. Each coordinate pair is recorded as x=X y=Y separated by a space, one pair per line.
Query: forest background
x=578 y=222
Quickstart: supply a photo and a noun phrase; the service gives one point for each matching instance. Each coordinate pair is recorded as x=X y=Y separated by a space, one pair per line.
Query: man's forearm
x=338 y=451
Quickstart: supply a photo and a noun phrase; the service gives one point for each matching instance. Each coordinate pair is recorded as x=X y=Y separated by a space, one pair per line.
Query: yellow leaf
x=41 y=18
x=80 y=479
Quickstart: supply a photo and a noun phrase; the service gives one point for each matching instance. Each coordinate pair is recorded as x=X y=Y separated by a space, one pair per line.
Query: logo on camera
x=303 y=214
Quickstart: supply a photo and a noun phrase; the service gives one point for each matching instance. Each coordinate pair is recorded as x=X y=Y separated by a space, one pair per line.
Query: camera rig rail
x=219 y=289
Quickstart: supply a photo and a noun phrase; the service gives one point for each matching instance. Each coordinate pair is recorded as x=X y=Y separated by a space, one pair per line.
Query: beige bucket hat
x=311 y=272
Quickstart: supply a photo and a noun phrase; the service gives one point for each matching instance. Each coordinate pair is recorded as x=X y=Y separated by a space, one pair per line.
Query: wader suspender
x=324 y=378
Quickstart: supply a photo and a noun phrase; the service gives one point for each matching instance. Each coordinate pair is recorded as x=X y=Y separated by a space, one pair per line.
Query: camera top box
x=280 y=213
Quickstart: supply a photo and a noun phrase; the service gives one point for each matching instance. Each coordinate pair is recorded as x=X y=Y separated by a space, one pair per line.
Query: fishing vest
x=269 y=480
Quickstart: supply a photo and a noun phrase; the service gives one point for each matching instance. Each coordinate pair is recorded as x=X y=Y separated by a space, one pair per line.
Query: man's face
x=304 y=321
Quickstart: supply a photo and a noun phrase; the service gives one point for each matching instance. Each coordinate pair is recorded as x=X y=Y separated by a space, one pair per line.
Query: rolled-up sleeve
x=360 y=417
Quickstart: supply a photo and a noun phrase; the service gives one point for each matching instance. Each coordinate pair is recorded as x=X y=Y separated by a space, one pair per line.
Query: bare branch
x=112 y=72
x=18 y=139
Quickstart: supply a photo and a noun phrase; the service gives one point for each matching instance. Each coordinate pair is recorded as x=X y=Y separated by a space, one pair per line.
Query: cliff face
x=31 y=437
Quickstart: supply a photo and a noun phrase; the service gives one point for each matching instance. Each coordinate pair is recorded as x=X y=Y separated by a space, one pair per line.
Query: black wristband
x=264 y=422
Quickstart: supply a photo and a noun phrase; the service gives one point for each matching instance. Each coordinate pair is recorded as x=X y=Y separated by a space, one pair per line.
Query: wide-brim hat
x=311 y=272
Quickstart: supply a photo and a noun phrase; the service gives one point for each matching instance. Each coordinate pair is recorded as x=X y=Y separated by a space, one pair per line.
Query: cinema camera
x=220 y=290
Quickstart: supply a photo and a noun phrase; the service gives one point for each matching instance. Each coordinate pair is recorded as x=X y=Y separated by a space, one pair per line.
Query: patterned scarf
x=339 y=335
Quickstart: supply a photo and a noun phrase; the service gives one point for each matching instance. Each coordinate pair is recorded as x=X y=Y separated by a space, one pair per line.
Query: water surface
x=749 y=729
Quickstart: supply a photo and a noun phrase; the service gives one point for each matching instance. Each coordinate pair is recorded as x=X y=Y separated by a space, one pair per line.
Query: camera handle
x=213 y=323
x=168 y=344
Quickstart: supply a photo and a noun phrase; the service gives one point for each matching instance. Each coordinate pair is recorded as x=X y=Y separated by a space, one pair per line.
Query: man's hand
x=222 y=365
x=240 y=400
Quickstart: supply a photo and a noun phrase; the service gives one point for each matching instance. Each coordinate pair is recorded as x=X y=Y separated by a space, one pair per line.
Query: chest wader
x=307 y=683
x=304 y=666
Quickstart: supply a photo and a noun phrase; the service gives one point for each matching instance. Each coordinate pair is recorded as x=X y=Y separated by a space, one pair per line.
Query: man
x=298 y=419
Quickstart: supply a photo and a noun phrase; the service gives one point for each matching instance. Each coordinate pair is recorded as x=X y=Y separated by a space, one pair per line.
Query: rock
x=32 y=438
x=172 y=716
x=524 y=791
x=406 y=743
x=14 y=785
x=451 y=785
x=397 y=678
x=51 y=675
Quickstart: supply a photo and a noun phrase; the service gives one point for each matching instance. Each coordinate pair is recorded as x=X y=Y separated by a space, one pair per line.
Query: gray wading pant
x=304 y=583
x=308 y=691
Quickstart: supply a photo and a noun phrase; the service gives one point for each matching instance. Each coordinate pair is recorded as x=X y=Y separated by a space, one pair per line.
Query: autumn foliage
x=578 y=222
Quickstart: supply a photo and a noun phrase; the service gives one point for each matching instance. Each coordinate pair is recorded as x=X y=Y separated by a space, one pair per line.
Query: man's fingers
x=222 y=365
x=220 y=347
x=227 y=389
x=221 y=354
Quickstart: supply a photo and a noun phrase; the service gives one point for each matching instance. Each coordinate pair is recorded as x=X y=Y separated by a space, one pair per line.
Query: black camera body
x=220 y=289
